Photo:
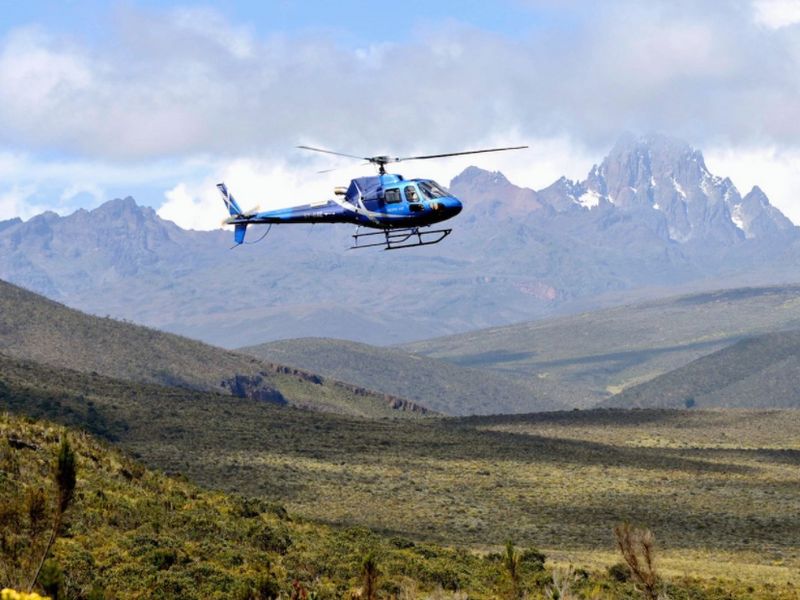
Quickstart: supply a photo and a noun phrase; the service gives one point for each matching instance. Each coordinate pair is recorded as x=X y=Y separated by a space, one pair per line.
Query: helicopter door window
x=392 y=196
x=411 y=194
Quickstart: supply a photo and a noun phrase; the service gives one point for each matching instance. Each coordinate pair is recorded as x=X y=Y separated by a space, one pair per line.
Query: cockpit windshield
x=430 y=189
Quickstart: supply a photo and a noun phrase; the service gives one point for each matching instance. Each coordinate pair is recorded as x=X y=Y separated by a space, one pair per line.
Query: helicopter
x=401 y=210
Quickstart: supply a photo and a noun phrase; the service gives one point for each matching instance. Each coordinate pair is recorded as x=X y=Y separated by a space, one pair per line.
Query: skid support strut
x=395 y=239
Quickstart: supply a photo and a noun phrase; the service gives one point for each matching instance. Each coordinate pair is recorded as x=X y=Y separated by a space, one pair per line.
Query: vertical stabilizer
x=233 y=208
x=230 y=203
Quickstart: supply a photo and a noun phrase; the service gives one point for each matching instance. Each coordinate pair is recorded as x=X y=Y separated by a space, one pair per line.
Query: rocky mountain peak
x=490 y=193
x=10 y=223
x=758 y=195
x=664 y=174
x=756 y=217
x=476 y=177
x=123 y=208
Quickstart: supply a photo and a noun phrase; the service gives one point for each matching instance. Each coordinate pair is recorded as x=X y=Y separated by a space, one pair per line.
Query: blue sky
x=159 y=100
x=354 y=21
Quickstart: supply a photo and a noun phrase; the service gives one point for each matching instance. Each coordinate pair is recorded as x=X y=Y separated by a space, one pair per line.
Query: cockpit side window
x=411 y=194
x=392 y=195
x=432 y=190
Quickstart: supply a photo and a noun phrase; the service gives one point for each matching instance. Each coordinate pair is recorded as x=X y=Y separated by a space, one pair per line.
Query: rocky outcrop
x=253 y=387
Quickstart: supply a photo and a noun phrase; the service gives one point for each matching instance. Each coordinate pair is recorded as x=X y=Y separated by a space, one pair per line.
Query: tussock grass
x=556 y=480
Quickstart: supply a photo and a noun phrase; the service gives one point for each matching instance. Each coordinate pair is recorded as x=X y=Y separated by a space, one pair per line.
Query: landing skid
x=395 y=239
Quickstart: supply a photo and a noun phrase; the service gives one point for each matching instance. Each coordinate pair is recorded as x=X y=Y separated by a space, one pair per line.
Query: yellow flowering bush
x=9 y=594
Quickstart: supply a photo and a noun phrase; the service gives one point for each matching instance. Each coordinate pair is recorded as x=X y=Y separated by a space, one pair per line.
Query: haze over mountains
x=648 y=220
x=573 y=361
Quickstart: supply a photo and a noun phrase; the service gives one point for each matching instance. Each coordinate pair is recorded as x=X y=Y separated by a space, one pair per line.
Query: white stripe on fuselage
x=371 y=215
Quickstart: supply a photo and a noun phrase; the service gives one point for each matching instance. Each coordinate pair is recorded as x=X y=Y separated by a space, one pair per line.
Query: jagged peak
x=117 y=204
x=123 y=206
x=10 y=222
x=474 y=174
x=757 y=194
x=48 y=215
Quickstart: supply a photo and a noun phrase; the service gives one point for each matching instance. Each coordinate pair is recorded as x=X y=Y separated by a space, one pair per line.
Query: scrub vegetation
x=135 y=533
x=329 y=495
x=718 y=489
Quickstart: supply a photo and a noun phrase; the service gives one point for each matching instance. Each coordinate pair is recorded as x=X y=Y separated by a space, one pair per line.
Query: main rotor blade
x=458 y=153
x=340 y=168
x=332 y=152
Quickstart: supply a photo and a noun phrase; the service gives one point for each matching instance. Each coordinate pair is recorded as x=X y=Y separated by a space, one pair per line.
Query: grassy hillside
x=760 y=371
x=589 y=357
x=439 y=385
x=135 y=533
x=34 y=328
x=557 y=481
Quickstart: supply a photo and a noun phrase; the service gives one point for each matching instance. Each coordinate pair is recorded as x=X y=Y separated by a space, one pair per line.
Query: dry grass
x=557 y=481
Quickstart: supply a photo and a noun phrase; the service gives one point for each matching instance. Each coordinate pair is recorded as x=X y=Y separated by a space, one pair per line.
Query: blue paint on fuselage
x=380 y=202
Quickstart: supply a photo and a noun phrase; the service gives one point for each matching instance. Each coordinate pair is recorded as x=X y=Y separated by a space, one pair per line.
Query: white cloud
x=185 y=97
x=189 y=81
x=75 y=189
x=14 y=203
x=777 y=13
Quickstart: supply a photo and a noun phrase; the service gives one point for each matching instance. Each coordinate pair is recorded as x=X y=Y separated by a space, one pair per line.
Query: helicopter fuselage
x=385 y=201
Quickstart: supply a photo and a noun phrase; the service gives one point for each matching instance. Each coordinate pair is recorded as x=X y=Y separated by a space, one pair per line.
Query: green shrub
x=267 y=587
x=271 y=538
x=36 y=506
x=532 y=559
x=51 y=578
x=619 y=572
x=163 y=558
x=96 y=593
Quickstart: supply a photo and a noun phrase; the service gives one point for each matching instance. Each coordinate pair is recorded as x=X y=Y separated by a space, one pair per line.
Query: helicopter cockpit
x=414 y=192
x=393 y=190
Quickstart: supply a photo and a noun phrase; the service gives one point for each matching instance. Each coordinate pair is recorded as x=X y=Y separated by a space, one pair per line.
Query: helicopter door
x=392 y=196
x=412 y=197
x=392 y=201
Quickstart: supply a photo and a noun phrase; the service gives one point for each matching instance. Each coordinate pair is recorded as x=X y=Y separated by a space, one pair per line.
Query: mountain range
x=648 y=220
x=575 y=361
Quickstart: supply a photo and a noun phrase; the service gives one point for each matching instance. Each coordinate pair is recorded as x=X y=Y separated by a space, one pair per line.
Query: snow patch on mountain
x=589 y=199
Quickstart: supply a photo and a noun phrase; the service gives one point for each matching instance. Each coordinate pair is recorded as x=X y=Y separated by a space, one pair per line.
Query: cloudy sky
x=160 y=100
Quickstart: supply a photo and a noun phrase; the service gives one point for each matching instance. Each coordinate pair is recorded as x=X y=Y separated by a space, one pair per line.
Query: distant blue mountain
x=649 y=220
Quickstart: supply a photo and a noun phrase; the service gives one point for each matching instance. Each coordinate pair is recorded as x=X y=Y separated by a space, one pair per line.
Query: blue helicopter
x=401 y=209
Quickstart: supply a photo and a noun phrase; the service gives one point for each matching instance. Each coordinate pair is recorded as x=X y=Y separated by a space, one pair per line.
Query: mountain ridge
x=591 y=356
x=649 y=216
x=42 y=330
x=756 y=372
x=438 y=385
